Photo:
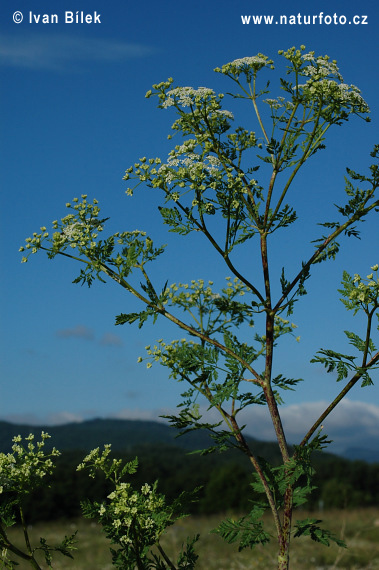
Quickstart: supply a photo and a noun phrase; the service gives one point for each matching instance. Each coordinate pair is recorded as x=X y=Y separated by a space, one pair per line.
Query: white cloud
x=349 y=419
x=62 y=52
x=51 y=419
x=351 y=424
x=138 y=414
x=61 y=418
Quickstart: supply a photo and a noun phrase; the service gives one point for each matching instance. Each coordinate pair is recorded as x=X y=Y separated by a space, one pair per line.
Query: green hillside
x=225 y=478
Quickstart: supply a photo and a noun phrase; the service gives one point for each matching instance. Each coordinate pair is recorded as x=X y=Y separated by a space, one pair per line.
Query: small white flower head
x=247 y=65
x=225 y=113
x=145 y=489
x=186 y=96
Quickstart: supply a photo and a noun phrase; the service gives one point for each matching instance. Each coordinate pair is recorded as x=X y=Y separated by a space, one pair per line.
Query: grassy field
x=358 y=528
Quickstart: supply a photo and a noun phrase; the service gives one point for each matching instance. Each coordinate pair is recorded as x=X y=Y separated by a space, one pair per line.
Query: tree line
x=224 y=481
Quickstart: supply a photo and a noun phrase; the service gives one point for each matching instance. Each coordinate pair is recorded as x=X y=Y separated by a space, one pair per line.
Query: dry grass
x=359 y=528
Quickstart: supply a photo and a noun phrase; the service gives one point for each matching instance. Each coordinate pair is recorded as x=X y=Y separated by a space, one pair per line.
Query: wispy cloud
x=140 y=414
x=64 y=52
x=80 y=331
x=61 y=418
x=51 y=419
x=351 y=424
x=110 y=339
x=349 y=419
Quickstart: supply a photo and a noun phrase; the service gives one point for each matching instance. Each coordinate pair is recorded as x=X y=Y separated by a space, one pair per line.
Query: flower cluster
x=279 y=103
x=194 y=164
x=143 y=170
x=210 y=165
x=187 y=96
x=199 y=110
x=247 y=65
x=27 y=466
x=319 y=67
x=211 y=313
x=80 y=228
x=338 y=93
x=200 y=171
x=165 y=353
x=130 y=509
x=77 y=229
x=325 y=82
x=284 y=326
x=134 y=519
x=33 y=243
x=201 y=296
x=115 y=256
x=189 y=168
x=94 y=461
x=361 y=292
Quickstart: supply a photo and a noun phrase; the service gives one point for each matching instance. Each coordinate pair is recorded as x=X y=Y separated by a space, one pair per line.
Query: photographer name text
x=78 y=17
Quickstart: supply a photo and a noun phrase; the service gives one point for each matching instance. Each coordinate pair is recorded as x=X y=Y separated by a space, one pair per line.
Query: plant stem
x=284 y=543
x=32 y=560
x=338 y=398
x=277 y=422
x=306 y=266
x=167 y=560
x=139 y=562
x=270 y=315
x=26 y=536
x=5 y=543
x=241 y=440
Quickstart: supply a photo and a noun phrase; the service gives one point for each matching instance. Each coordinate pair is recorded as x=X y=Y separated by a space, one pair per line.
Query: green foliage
x=67 y=545
x=209 y=185
x=226 y=479
x=134 y=520
x=357 y=295
x=248 y=531
x=309 y=527
x=23 y=471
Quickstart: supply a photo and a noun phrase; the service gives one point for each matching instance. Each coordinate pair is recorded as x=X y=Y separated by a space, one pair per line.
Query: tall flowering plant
x=233 y=186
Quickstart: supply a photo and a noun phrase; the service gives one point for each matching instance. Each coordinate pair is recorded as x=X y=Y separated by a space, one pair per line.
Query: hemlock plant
x=233 y=185
x=26 y=468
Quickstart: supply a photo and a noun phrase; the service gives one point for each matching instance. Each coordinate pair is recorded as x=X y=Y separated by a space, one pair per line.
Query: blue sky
x=74 y=117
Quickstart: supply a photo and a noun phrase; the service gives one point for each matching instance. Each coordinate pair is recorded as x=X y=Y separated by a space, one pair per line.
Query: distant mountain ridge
x=86 y=435
x=125 y=435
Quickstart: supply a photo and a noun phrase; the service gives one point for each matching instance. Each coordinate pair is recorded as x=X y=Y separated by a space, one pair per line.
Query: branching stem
x=338 y=398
